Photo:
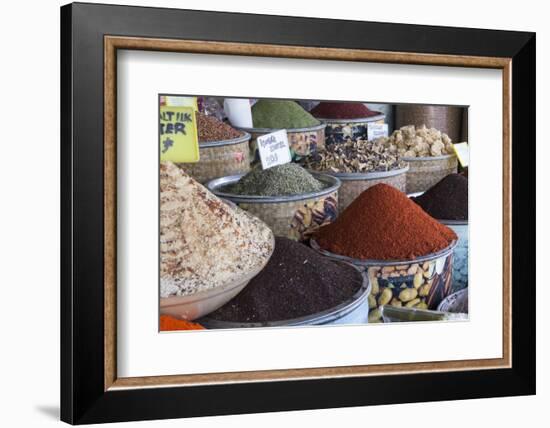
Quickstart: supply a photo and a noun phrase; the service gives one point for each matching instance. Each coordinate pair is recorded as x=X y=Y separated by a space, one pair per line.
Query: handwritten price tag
x=274 y=149
x=178 y=134
x=377 y=130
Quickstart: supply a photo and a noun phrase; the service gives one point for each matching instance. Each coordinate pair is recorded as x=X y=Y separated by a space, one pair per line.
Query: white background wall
x=29 y=213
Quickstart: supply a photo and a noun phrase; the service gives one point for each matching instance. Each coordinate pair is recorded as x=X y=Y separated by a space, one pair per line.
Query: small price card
x=377 y=130
x=462 y=153
x=178 y=134
x=274 y=149
x=175 y=101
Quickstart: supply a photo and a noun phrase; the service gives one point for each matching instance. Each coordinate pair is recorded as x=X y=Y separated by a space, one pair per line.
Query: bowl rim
x=428 y=158
x=444 y=304
x=356 y=176
x=374 y=118
x=321 y=317
x=453 y=222
x=218 y=143
x=321 y=125
x=372 y=262
x=212 y=185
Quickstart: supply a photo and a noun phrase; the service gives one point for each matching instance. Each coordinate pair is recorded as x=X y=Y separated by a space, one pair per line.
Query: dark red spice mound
x=212 y=129
x=447 y=200
x=297 y=281
x=327 y=110
x=384 y=224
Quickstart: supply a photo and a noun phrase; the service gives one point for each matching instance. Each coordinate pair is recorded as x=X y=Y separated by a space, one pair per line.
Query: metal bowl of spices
x=421 y=283
x=293 y=216
x=408 y=254
x=353 y=310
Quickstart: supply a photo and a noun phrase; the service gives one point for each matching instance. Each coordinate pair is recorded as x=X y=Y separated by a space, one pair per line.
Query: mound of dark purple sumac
x=297 y=281
x=446 y=200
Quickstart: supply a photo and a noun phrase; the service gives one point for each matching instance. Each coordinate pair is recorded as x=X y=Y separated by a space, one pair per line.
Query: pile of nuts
x=407 y=285
x=411 y=142
x=360 y=156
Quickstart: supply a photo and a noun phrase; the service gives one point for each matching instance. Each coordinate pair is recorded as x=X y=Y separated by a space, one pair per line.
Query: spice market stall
x=327 y=236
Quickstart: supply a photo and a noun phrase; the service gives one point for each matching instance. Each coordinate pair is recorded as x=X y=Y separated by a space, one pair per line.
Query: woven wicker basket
x=353 y=184
x=425 y=172
x=294 y=217
x=302 y=141
x=444 y=118
x=219 y=159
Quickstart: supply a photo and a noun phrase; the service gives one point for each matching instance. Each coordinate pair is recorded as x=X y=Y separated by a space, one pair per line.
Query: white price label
x=274 y=149
x=377 y=130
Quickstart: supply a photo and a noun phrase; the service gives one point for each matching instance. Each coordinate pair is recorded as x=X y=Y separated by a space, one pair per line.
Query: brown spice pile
x=359 y=156
x=448 y=199
x=212 y=129
x=411 y=142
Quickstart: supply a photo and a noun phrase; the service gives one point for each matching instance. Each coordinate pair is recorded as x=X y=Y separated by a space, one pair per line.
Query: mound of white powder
x=204 y=243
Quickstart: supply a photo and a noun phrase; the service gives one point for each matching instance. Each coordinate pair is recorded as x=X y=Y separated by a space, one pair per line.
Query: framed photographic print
x=274 y=213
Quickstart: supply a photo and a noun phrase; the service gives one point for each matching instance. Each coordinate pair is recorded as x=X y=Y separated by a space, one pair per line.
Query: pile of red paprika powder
x=384 y=224
x=326 y=110
x=168 y=323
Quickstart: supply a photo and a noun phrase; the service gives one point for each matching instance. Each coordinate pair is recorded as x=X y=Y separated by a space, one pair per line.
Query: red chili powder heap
x=383 y=224
x=172 y=324
x=342 y=111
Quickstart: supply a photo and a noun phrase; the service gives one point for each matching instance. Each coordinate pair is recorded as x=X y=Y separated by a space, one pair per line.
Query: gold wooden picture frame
x=114 y=43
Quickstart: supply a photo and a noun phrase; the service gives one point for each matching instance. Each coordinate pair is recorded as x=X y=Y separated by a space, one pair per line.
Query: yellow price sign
x=178 y=134
x=462 y=153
